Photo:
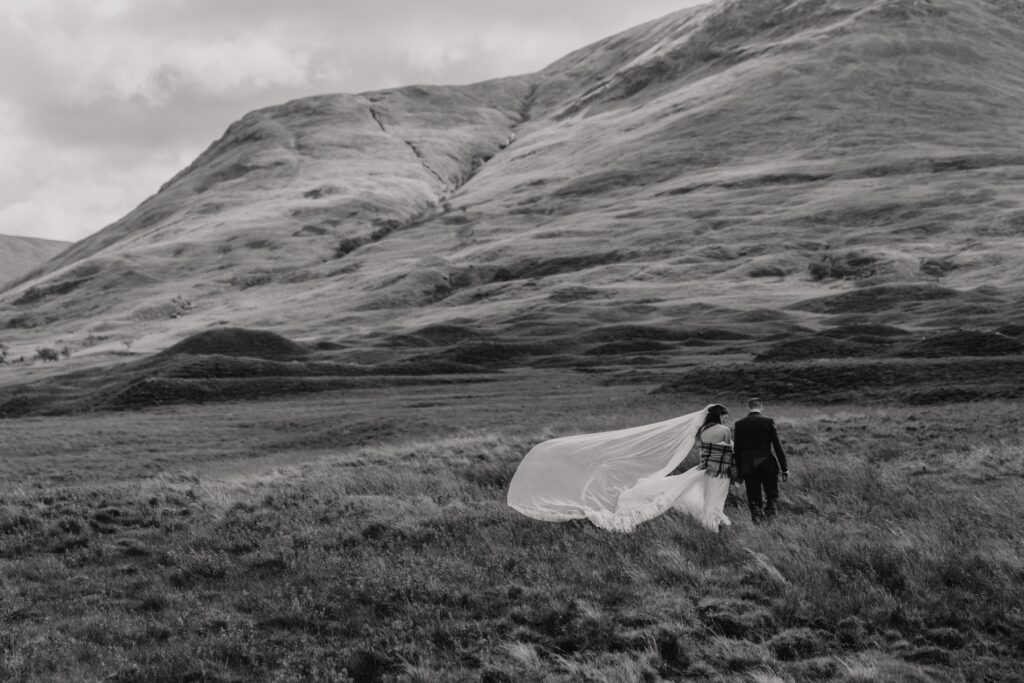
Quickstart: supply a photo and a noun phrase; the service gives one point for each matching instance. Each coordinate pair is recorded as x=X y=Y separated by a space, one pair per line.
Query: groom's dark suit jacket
x=753 y=442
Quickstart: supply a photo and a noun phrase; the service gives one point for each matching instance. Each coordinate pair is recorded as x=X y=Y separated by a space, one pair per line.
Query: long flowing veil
x=615 y=479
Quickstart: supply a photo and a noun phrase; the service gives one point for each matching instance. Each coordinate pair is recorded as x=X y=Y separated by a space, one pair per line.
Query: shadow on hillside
x=895 y=380
x=230 y=364
x=855 y=361
x=874 y=341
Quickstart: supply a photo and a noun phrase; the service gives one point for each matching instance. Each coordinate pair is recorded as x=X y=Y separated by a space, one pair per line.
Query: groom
x=754 y=441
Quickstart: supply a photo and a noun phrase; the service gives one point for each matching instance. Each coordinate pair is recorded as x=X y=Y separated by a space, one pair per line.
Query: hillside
x=19 y=255
x=725 y=177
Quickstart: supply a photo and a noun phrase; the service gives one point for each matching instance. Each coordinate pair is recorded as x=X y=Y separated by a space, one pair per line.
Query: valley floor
x=363 y=535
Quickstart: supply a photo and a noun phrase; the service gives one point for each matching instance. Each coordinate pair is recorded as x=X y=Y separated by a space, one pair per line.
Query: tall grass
x=897 y=557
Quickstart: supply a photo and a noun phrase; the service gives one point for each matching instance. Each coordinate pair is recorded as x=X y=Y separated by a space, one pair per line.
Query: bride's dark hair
x=714 y=417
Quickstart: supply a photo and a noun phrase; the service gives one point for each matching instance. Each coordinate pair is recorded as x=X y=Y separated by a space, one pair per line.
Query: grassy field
x=363 y=536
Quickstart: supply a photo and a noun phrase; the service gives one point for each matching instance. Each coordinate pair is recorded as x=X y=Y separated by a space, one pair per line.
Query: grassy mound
x=238 y=341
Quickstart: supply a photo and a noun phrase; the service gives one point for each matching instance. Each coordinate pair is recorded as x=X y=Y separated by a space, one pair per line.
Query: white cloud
x=66 y=195
x=99 y=61
x=109 y=98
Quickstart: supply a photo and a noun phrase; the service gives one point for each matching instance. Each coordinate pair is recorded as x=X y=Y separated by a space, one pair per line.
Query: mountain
x=19 y=255
x=707 y=185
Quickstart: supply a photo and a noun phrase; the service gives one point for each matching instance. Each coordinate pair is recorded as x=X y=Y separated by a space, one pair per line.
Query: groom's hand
x=785 y=476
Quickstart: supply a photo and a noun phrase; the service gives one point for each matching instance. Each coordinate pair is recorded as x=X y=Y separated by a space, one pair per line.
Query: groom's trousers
x=768 y=480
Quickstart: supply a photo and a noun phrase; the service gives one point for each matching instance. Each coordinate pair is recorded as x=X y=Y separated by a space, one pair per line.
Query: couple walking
x=754 y=456
x=622 y=478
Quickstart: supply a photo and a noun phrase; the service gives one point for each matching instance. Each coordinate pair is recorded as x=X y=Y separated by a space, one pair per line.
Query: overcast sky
x=101 y=101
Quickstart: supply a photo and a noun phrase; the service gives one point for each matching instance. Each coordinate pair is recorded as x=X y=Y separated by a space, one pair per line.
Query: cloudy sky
x=101 y=101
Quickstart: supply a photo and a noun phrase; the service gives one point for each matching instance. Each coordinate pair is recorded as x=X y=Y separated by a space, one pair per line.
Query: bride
x=622 y=478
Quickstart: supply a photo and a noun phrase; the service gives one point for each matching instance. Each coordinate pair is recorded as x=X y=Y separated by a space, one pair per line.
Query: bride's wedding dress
x=618 y=479
x=703 y=489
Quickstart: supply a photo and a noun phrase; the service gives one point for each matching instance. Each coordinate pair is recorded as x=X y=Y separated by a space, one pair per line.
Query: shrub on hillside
x=181 y=306
x=768 y=271
x=383 y=228
x=47 y=354
x=347 y=245
x=937 y=267
x=22 y=322
x=850 y=266
x=93 y=340
x=254 y=279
